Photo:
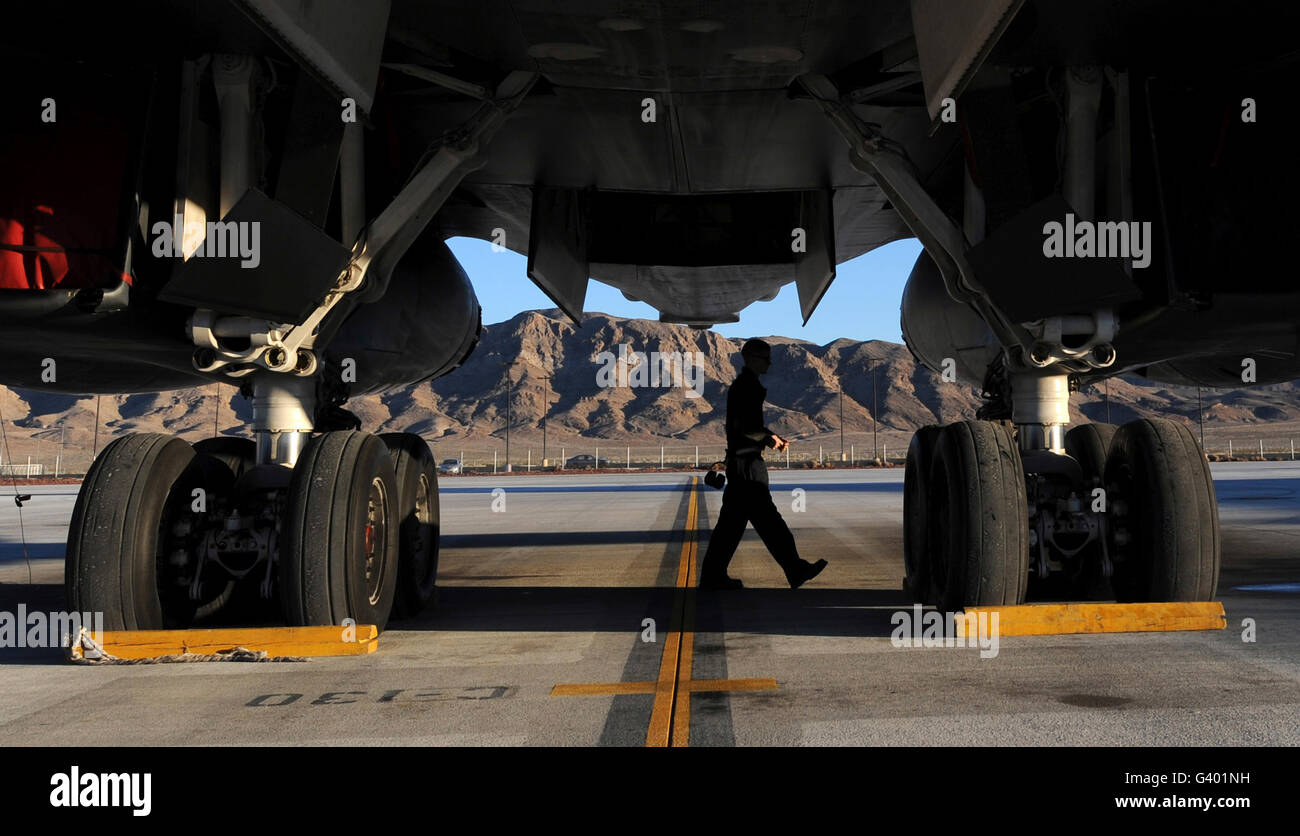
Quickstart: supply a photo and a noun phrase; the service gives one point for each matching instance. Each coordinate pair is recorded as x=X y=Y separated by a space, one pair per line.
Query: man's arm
x=768 y=439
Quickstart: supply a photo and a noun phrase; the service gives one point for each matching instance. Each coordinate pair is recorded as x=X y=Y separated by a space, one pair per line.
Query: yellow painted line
x=697 y=686
x=721 y=685
x=665 y=691
x=682 y=706
x=1060 y=619
x=662 y=713
x=670 y=715
x=688 y=541
x=686 y=664
x=597 y=689
x=276 y=641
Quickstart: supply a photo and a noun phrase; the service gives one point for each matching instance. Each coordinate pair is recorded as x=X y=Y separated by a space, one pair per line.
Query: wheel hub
x=376 y=539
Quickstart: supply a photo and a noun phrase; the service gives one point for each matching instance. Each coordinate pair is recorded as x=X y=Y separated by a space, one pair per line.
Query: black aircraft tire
x=417 y=491
x=916 y=484
x=979 y=516
x=339 y=548
x=238 y=454
x=1088 y=444
x=1162 y=497
x=114 y=554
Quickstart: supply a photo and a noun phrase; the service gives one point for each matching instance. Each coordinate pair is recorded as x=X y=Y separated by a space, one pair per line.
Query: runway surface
x=554 y=587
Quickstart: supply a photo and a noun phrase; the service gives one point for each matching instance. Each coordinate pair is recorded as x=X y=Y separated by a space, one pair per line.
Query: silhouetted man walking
x=747 y=497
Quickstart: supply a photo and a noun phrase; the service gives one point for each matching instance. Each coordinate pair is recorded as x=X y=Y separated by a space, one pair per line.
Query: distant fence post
x=629 y=457
x=661 y=457
x=697 y=456
x=494 y=462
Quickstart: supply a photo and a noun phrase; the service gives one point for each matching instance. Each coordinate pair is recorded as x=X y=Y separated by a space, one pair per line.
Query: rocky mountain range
x=541 y=355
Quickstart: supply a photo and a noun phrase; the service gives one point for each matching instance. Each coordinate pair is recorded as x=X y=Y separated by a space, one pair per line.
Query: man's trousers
x=747 y=501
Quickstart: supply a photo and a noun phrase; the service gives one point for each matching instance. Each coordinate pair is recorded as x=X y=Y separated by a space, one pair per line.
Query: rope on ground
x=86 y=651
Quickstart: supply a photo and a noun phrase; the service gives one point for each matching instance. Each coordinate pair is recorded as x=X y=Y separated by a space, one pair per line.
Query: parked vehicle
x=585 y=461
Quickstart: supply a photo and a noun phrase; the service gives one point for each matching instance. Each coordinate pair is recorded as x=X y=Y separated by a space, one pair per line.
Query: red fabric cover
x=29 y=270
x=62 y=186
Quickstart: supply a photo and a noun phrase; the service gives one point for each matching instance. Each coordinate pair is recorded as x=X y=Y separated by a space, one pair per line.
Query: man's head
x=757 y=355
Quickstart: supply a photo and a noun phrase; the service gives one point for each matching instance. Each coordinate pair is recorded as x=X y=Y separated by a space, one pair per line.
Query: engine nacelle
x=938 y=328
x=423 y=327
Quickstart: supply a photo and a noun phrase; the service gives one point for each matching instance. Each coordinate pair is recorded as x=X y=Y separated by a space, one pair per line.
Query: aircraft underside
x=261 y=195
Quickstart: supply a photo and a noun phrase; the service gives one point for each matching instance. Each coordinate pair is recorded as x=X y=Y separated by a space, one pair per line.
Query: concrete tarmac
x=551 y=584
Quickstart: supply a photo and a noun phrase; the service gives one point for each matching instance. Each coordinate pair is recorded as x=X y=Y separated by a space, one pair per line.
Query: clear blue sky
x=861 y=304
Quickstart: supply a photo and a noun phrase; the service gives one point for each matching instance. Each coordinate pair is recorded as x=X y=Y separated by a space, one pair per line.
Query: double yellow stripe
x=670 y=715
x=670 y=718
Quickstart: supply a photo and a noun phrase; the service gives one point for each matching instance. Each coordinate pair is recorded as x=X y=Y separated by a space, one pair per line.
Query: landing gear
x=1128 y=510
x=339 y=550
x=330 y=527
x=1166 y=519
x=1066 y=531
x=417 y=501
x=979 y=548
x=319 y=522
x=1152 y=528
